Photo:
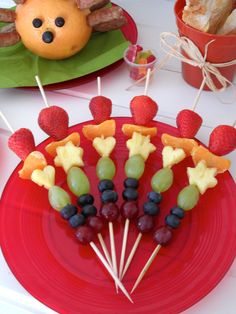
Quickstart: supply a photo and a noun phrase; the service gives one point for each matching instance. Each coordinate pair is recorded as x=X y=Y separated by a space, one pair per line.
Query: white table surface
x=167 y=88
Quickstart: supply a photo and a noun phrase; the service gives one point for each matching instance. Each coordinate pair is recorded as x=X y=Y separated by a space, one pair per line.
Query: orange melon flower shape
x=106 y=129
x=212 y=161
x=51 y=148
x=178 y=142
x=35 y=160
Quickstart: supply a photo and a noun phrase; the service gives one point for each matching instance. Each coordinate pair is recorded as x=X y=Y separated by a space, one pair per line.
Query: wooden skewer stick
x=99 y=85
x=106 y=265
x=131 y=255
x=146 y=267
x=42 y=91
x=234 y=124
x=104 y=248
x=6 y=122
x=124 y=243
x=147 y=82
x=113 y=251
x=199 y=94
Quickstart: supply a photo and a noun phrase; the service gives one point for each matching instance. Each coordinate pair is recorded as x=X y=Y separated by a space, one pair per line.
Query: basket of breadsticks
x=211 y=26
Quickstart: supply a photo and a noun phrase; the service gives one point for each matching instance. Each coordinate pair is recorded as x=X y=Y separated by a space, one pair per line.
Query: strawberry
x=143 y=109
x=100 y=108
x=188 y=123
x=222 y=140
x=54 y=121
x=22 y=143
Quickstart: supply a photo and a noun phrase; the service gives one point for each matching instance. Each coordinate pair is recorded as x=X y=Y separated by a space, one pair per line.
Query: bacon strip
x=19 y=1
x=92 y=4
x=7 y=15
x=106 y=19
x=9 y=39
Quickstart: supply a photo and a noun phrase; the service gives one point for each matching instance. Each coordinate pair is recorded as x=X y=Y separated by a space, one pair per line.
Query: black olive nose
x=47 y=37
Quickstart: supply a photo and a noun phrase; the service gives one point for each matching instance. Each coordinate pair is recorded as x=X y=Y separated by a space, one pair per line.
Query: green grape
x=188 y=197
x=162 y=180
x=105 y=168
x=58 y=198
x=134 y=167
x=77 y=181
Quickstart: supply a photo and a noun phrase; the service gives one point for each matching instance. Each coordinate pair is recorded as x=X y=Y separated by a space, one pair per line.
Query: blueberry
x=109 y=196
x=77 y=220
x=131 y=183
x=154 y=197
x=172 y=221
x=130 y=194
x=37 y=23
x=59 y=21
x=89 y=210
x=68 y=211
x=47 y=37
x=151 y=208
x=105 y=184
x=85 y=199
x=177 y=211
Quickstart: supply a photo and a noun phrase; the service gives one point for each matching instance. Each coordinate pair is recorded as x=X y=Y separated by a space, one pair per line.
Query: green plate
x=18 y=66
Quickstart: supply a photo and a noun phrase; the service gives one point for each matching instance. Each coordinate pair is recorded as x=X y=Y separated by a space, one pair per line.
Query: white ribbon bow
x=186 y=51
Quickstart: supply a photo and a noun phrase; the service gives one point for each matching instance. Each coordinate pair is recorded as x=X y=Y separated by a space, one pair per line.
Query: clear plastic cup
x=138 y=71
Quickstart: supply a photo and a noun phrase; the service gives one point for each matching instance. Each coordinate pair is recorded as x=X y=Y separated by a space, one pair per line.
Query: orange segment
x=213 y=161
x=129 y=129
x=51 y=148
x=34 y=160
x=105 y=129
x=178 y=142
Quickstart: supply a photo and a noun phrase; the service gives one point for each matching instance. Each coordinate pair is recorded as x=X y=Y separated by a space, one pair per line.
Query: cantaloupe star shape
x=69 y=156
x=104 y=146
x=202 y=177
x=172 y=156
x=140 y=145
x=45 y=177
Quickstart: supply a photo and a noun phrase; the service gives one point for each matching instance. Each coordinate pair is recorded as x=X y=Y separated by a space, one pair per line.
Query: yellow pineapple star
x=202 y=177
x=68 y=156
x=140 y=145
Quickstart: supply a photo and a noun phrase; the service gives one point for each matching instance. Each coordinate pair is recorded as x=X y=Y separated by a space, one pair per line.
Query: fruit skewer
x=105 y=170
x=60 y=200
x=139 y=149
x=175 y=150
x=104 y=143
x=76 y=178
x=202 y=177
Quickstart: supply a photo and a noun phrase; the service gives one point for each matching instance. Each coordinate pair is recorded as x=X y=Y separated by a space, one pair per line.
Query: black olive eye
x=59 y=21
x=37 y=23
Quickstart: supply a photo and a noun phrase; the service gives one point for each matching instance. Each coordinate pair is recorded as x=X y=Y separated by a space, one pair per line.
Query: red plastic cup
x=222 y=50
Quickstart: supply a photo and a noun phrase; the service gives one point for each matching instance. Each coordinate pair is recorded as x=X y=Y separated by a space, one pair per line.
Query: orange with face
x=57 y=29
x=53 y=29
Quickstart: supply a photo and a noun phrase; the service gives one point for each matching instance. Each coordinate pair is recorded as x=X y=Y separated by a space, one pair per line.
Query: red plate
x=129 y=31
x=43 y=254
